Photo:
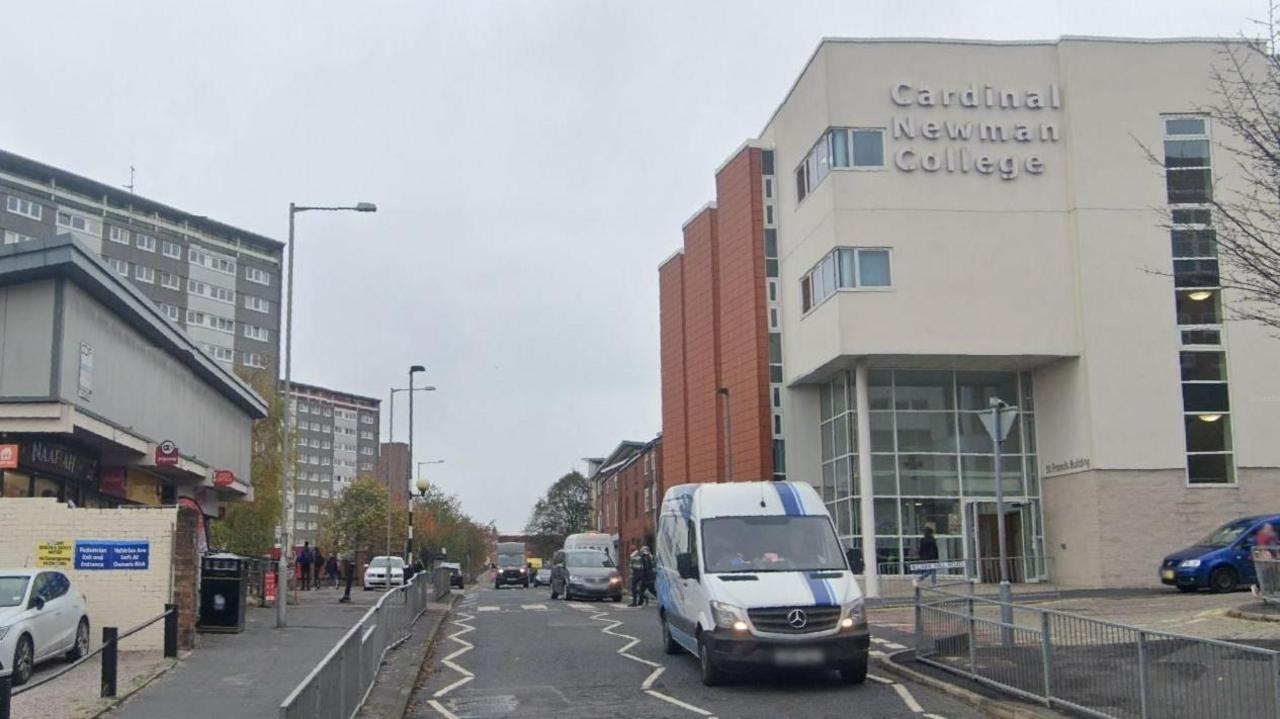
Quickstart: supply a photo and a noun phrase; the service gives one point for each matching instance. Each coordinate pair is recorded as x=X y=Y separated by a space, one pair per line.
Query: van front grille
x=778 y=620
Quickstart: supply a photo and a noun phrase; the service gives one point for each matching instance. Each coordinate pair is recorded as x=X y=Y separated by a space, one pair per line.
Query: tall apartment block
x=218 y=282
x=337 y=442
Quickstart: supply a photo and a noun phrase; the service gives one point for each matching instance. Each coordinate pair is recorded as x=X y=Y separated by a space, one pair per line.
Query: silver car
x=585 y=573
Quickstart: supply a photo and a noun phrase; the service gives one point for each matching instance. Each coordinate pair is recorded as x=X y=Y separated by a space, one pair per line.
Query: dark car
x=1221 y=561
x=585 y=573
x=455 y=574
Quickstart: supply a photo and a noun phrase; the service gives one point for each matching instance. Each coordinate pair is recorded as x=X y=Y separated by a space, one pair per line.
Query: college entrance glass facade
x=932 y=465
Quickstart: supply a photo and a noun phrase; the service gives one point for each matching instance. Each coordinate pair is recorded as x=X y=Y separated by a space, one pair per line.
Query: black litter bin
x=223 y=584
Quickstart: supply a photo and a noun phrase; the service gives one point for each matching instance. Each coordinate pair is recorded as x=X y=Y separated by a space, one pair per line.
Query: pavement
x=398 y=675
x=516 y=652
x=249 y=674
x=74 y=695
x=1095 y=666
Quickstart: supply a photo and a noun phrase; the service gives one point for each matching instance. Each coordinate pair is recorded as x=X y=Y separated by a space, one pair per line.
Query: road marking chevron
x=467 y=676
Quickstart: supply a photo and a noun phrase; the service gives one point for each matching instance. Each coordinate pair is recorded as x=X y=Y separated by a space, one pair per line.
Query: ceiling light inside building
x=1199 y=295
x=1209 y=417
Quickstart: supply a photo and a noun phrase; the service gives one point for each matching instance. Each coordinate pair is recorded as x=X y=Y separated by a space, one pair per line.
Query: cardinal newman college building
x=923 y=226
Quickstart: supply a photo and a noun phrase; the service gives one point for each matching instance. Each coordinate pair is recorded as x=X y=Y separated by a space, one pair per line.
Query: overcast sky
x=532 y=163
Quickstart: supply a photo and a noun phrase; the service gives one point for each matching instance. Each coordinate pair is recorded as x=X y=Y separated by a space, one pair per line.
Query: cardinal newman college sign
x=944 y=122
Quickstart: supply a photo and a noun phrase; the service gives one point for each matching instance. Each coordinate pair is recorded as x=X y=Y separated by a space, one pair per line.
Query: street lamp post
x=286 y=484
x=391 y=434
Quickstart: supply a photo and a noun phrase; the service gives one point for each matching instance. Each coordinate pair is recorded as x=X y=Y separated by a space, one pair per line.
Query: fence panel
x=339 y=684
x=1100 y=668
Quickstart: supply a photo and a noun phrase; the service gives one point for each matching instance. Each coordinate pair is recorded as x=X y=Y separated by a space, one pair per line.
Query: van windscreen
x=770 y=544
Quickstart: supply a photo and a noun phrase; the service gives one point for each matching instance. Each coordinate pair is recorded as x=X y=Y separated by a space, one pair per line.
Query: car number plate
x=797 y=657
x=1167 y=574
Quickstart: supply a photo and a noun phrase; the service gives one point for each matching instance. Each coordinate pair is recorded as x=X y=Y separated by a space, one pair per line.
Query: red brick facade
x=714 y=334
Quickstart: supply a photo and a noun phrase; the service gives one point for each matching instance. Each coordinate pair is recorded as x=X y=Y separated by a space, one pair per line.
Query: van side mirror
x=685 y=567
x=37 y=602
x=855 y=560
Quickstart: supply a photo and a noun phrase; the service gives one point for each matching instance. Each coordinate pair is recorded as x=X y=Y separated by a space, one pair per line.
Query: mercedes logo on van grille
x=797 y=619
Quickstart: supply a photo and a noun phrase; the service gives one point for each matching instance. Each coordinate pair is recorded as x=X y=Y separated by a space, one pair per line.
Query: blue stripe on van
x=822 y=592
x=790 y=500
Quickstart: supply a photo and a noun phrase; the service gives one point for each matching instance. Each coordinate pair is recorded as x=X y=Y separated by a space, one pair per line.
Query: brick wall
x=186 y=577
x=119 y=598
x=1096 y=535
x=675 y=457
x=702 y=348
x=743 y=325
x=714 y=333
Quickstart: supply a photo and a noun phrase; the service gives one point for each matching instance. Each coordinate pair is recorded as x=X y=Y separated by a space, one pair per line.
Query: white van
x=592 y=540
x=750 y=574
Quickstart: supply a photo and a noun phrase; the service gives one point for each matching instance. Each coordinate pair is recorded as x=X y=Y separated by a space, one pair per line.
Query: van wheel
x=710 y=674
x=1223 y=579
x=669 y=644
x=855 y=672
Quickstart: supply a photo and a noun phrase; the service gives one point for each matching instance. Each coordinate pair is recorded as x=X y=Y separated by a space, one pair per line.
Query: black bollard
x=171 y=631
x=110 y=655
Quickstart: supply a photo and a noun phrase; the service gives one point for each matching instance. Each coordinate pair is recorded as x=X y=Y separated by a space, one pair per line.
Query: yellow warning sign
x=54 y=554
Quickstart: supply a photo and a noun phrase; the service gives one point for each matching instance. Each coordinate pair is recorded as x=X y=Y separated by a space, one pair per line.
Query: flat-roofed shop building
x=104 y=401
x=925 y=225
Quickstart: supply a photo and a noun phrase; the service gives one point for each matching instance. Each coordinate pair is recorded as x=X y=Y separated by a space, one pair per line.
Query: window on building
x=254 y=274
x=1206 y=403
x=24 y=207
x=13 y=238
x=120 y=266
x=170 y=311
x=145 y=274
x=257 y=304
x=845 y=268
x=78 y=223
x=255 y=332
x=171 y=249
x=170 y=281
x=115 y=234
x=841 y=148
x=1188 y=170
x=254 y=359
x=144 y=242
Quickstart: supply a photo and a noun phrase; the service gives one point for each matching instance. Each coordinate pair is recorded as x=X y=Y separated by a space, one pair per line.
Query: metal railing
x=338 y=686
x=1099 y=668
x=983 y=569
x=110 y=651
x=1266 y=561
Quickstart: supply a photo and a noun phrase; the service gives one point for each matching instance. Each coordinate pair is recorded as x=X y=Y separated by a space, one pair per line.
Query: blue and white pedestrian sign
x=113 y=554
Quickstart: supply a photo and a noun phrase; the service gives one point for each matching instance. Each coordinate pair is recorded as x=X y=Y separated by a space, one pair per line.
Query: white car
x=384 y=572
x=41 y=616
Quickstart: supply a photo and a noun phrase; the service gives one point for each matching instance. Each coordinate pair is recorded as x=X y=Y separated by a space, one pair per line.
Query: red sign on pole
x=224 y=478
x=270 y=589
x=8 y=456
x=167 y=454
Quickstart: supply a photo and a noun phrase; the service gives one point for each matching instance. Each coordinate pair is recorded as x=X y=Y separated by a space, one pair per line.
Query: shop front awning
x=52 y=417
x=846 y=363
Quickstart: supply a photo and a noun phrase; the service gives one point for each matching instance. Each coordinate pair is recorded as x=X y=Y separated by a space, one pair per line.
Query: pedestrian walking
x=649 y=572
x=635 y=567
x=304 y=565
x=331 y=569
x=349 y=566
x=529 y=575
x=927 y=551
x=317 y=568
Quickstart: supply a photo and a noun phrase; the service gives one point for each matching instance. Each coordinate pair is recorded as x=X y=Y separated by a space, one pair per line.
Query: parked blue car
x=1221 y=561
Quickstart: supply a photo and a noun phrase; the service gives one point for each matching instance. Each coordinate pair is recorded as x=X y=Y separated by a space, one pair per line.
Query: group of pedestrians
x=314 y=567
x=643 y=574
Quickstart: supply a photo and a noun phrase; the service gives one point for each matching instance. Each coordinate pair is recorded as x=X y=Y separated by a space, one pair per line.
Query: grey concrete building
x=219 y=283
x=337 y=442
x=102 y=400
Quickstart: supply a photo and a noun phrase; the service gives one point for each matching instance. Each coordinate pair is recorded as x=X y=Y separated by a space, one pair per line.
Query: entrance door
x=982 y=535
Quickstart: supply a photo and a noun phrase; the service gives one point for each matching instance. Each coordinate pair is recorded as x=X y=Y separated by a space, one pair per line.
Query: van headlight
x=729 y=616
x=854 y=615
x=1189 y=563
